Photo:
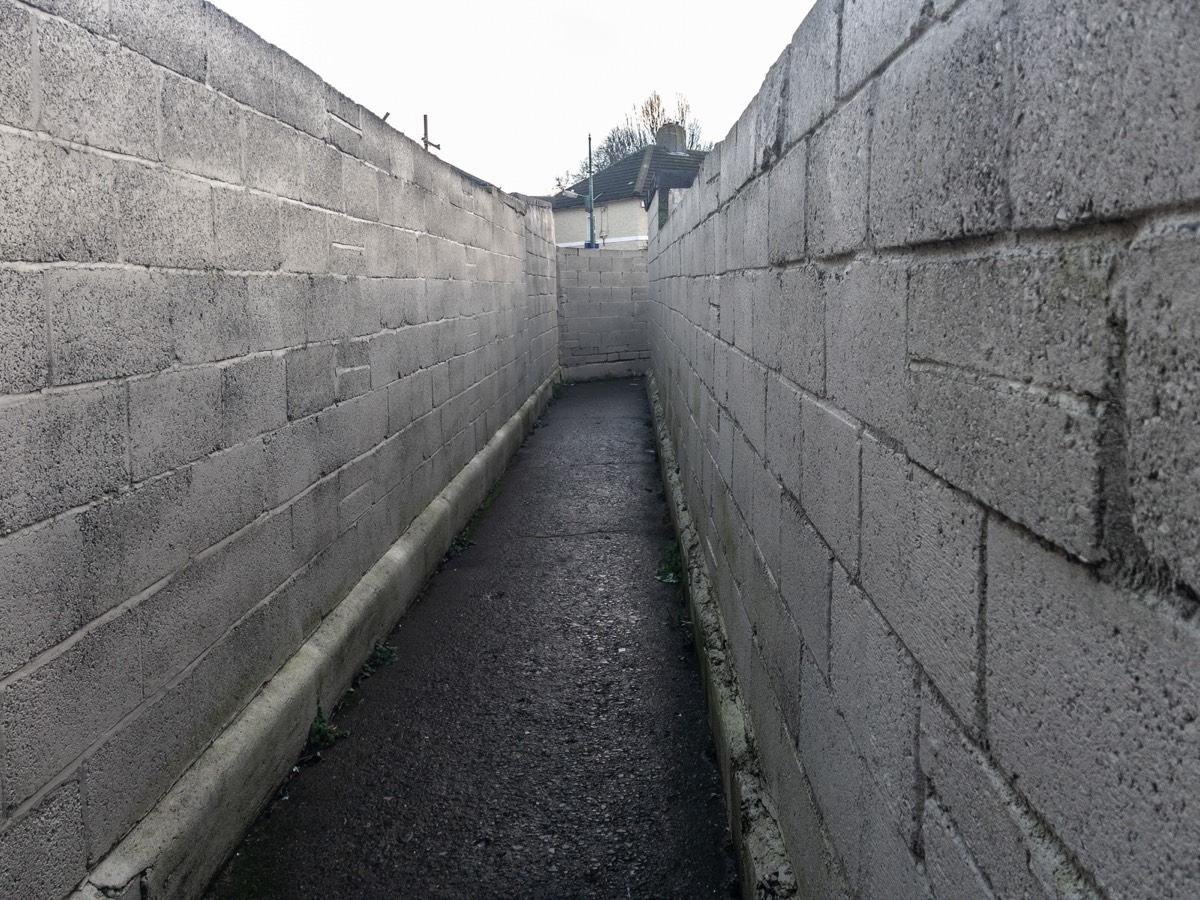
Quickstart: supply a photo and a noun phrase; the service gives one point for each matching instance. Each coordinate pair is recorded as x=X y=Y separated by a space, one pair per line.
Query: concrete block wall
x=247 y=333
x=603 y=311
x=925 y=332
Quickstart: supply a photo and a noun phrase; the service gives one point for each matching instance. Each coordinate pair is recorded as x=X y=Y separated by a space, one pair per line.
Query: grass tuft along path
x=538 y=728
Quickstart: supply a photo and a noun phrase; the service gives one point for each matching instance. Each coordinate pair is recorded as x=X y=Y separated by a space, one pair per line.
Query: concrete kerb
x=763 y=864
x=180 y=845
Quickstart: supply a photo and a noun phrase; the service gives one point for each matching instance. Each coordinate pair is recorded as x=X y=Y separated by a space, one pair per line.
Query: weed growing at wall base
x=380 y=657
x=458 y=545
x=322 y=734
x=670 y=566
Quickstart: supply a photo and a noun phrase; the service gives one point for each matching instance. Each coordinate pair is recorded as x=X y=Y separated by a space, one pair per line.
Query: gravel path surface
x=541 y=731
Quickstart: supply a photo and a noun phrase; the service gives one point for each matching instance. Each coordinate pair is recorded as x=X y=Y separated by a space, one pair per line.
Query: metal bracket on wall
x=425 y=140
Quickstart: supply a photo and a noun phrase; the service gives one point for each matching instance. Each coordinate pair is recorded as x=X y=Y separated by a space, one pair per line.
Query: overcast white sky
x=513 y=88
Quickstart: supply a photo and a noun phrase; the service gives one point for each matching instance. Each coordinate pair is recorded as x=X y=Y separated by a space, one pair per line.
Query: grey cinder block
x=402 y=301
x=39 y=593
x=952 y=872
x=240 y=63
x=1104 y=130
x=314 y=521
x=170 y=32
x=16 y=54
x=401 y=203
x=66 y=450
x=175 y=418
x=829 y=478
x=887 y=865
x=381 y=259
x=304 y=239
x=939 y=126
x=802 y=345
x=165 y=219
x=865 y=355
x=180 y=622
x=25 y=364
x=359 y=473
x=777 y=649
x=754 y=225
x=873 y=30
x=78 y=101
x=1091 y=699
x=361 y=184
x=212 y=511
x=354 y=505
x=786 y=202
x=837 y=180
x=91 y=14
x=210 y=314
x=980 y=434
x=54 y=712
x=298 y=95
x=247 y=228
x=1042 y=316
x=812 y=75
x=1162 y=390
x=320 y=167
x=833 y=766
x=738 y=156
x=352 y=428
x=350 y=248
x=770 y=121
x=127 y=542
x=253 y=398
x=293 y=460
x=737 y=312
x=921 y=546
x=31 y=871
x=391 y=357
x=353 y=354
x=133 y=768
x=377 y=140
x=733 y=247
x=55 y=203
x=107 y=323
x=806 y=565
x=310 y=380
x=201 y=130
x=783 y=453
x=765 y=524
x=271 y=149
x=818 y=871
x=875 y=685
x=327 y=298
x=748 y=399
x=277 y=309
x=353 y=382
x=970 y=792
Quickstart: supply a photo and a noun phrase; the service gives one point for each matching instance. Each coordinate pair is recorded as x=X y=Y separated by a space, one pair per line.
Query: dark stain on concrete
x=542 y=731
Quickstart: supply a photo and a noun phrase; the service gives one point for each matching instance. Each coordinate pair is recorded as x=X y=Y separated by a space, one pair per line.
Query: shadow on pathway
x=541 y=732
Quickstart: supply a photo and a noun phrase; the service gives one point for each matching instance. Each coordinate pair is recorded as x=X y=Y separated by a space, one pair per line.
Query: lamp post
x=589 y=202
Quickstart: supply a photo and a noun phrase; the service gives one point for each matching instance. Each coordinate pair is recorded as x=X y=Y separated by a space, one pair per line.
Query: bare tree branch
x=636 y=132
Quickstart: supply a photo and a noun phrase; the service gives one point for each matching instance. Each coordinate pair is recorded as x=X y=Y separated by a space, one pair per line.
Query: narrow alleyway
x=541 y=730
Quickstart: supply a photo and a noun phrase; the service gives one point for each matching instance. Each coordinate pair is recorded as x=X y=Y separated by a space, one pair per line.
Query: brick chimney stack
x=671 y=137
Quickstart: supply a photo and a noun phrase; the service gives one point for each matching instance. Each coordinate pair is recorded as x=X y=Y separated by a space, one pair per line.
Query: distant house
x=624 y=189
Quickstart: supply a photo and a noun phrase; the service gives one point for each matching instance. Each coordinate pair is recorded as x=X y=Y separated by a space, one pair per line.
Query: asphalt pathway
x=541 y=731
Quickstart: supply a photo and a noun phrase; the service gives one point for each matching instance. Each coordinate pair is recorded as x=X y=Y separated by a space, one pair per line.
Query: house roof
x=637 y=175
